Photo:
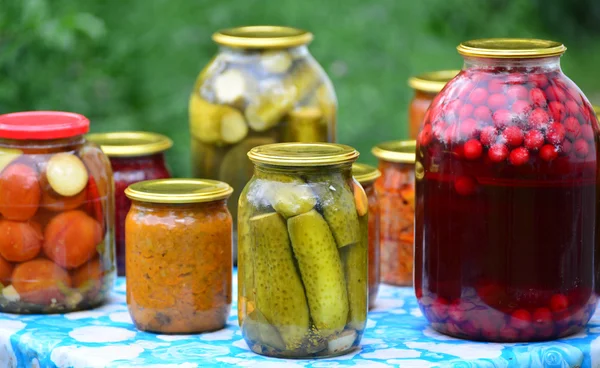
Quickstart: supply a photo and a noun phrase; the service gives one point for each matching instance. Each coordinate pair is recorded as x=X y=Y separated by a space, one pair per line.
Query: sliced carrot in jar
x=19 y=241
x=38 y=281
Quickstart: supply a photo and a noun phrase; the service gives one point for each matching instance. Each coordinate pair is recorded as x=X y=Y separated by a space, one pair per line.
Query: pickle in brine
x=257 y=329
x=321 y=271
x=276 y=61
x=208 y=122
x=355 y=260
x=288 y=195
x=230 y=87
x=246 y=288
x=304 y=125
x=279 y=292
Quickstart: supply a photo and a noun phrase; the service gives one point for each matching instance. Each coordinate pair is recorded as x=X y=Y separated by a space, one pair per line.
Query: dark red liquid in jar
x=126 y=171
x=507 y=205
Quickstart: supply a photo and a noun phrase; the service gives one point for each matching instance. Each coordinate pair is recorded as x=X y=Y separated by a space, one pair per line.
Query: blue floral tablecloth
x=396 y=335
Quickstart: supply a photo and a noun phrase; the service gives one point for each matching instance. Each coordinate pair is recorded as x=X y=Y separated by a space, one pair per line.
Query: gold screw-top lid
x=364 y=173
x=262 y=37
x=178 y=191
x=303 y=154
x=396 y=151
x=127 y=144
x=511 y=48
x=432 y=82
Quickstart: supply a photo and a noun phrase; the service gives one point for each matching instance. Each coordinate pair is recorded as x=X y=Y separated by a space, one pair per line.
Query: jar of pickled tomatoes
x=56 y=215
x=134 y=157
x=507 y=199
x=426 y=86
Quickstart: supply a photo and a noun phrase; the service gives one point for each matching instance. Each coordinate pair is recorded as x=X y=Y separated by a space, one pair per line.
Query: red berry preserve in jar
x=506 y=219
x=134 y=157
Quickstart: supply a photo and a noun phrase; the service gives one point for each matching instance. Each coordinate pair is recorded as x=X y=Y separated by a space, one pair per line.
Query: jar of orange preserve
x=178 y=255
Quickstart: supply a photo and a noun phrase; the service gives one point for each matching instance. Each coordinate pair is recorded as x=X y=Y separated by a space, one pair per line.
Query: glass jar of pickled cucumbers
x=303 y=251
x=262 y=87
x=56 y=215
x=426 y=87
x=134 y=157
x=366 y=176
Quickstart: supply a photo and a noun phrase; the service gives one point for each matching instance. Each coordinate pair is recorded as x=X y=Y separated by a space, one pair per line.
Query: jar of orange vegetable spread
x=396 y=193
x=426 y=87
x=56 y=217
x=178 y=255
x=366 y=176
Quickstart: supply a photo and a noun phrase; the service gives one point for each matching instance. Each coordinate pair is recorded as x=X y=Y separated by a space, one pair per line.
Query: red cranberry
x=456 y=313
x=513 y=136
x=519 y=156
x=539 y=80
x=537 y=97
x=509 y=334
x=542 y=316
x=464 y=185
x=521 y=107
x=572 y=127
x=451 y=109
x=468 y=128
x=426 y=135
x=556 y=133
x=498 y=100
x=548 y=152
x=587 y=132
x=439 y=308
x=517 y=93
x=572 y=107
x=557 y=110
x=473 y=149
x=520 y=319
x=498 y=153
x=502 y=118
x=478 y=96
x=581 y=148
x=538 y=119
x=483 y=113
x=534 y=139
x=555 y=93
x=565 y=147
x=488 y=135
x=465 y=111
x=495 y=85
x=559 y=303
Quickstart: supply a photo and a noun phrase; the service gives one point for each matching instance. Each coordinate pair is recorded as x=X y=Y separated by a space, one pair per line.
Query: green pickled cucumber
x=321 y=271
x=337 y=201
x=355 y=260
x=279 y=291
x=257 y=329
x=288 y=195
x=246 y=288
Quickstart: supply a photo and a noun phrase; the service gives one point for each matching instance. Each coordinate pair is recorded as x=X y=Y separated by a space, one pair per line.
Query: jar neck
x=232 y=53
x=139 y=162
x=546 y=64
x=47 y=145
x=174 y=207
x=261 y=170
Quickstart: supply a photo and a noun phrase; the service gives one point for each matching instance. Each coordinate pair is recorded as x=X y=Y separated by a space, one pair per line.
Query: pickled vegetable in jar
x=507 y=198
x=56 y=219
x=426 y=87
x=134 y=157
x=262 y=87
x=303 y=251
x=396 y=195
x=366 y=176
x=178 y=247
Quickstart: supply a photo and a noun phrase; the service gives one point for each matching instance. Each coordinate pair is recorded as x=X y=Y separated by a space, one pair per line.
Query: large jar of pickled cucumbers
x=303 y=251
x=262 y=87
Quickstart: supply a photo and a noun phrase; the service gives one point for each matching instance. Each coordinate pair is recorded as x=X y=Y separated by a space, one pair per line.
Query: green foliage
x=131 y=64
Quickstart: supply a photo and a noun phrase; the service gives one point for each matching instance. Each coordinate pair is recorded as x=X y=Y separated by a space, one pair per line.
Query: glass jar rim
x=303 y=154
x=511 y=48
x=178 y=191
x=129 y=144
x=432 y=82
x=42 y=125
x=262 y=37
x=396 y=151
x=364 y=173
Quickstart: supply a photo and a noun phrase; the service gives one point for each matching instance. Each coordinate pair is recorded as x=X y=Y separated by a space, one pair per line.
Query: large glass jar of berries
x=56 y=215
x=507 y=197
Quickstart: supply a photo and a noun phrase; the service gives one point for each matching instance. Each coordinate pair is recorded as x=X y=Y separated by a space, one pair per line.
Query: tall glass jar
x=56 y=215
x=426 y=86
x=303 y=251
x=262 y=87
x=507 y=197
x=366 y=176
x=134 y=157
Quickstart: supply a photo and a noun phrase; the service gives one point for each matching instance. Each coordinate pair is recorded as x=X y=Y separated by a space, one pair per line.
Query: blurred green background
x=132 y=64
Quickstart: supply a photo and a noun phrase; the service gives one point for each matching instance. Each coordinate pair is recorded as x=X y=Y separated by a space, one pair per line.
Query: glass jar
x=303 y=251
x=134 y=157
x=56 y=215
x=426 y=87
x=178 y=235
x=396 y=195
x=507 y=197
x=366 y=176
x=262 y=87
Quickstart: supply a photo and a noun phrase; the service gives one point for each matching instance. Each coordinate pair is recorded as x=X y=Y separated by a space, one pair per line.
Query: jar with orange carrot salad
x=178 y=255
x=396 y=194
x=366 y=176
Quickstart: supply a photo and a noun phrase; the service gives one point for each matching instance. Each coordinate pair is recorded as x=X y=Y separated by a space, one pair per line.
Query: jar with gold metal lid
x=303 y=251
x=178 y=247
x=134 y=157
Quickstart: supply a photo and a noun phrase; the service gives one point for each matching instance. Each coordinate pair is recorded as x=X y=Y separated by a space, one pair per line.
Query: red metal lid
x=40 y=125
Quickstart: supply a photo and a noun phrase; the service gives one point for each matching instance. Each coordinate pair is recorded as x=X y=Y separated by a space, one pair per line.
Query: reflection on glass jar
x=134 y=157
x=262 y=87
x=56 y=215
x=303 y=251
x=396 y=195
x=366 y=176
x=507 y=203
x=178 y=235
x=426 y=87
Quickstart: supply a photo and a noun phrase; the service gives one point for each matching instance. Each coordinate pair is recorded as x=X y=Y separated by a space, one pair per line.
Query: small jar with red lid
x=56 y=218
x=507 y=198
x=134 y=157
